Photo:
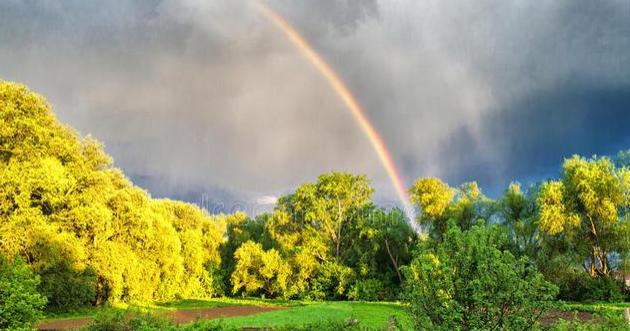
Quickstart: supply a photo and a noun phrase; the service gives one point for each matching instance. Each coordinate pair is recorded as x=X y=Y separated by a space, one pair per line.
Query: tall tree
x=330 y=205
x=585 y=206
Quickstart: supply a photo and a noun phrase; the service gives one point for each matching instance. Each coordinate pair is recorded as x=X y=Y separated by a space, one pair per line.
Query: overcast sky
x=202 y=96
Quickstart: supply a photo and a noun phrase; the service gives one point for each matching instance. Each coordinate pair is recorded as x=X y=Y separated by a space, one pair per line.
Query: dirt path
x=179 y=316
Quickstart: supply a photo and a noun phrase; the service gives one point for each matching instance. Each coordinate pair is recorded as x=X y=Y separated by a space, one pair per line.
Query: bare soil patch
x=179 y=316
x=554 y=316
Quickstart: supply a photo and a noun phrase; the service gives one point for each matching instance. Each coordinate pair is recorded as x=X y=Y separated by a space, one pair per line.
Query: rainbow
x=348 y=99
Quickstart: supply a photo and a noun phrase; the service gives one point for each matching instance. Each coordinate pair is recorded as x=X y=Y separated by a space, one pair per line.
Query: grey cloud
x=193 y=95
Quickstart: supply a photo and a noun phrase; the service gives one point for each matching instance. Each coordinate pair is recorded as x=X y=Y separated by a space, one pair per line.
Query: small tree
x=20 y=304
x=259 y=270
x=470 y=281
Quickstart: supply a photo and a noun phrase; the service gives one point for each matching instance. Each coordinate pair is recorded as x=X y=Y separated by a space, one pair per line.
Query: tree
x=440 y=204
x=331 y=204
x=470 y=281
x=69 y=213
x=383 y=244
x=433 y=197
x=259 y=270
x=584 y=209
x=623 y=159
x=519 y=213
x=20 y=303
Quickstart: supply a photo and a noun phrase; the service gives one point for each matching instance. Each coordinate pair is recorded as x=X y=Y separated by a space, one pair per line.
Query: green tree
x=383 y=244
x=583 y=208
x=519 y=213
x=439 y=204
x=67 y=211
x=331 y=204
x=258 y=271
x=20 y=303
x=433 y=197
x=470 y=281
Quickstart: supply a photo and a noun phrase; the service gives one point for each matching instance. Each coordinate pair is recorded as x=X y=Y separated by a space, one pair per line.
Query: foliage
x=129 y=321
x=367 y=290
x=519 y=213
x=20 y=303
x=470 y=281
x=68 y=289
x=441 y=204
x=611 y=322
x=314 y=254
x=67 y=211
x=384 y=243
x=258 y=270
x=579 y=286
x=583 y=208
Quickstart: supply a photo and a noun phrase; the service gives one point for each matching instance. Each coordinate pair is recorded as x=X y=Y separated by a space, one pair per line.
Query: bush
x=139 y=321
x=605 y=322
x=68 y=289
x=20 y=304
x=580 y=286
x=331 y=281
x=469 y=282
x=367 y=290
x=129 y=321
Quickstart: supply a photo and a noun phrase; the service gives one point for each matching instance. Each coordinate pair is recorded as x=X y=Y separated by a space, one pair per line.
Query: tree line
x=90 y=236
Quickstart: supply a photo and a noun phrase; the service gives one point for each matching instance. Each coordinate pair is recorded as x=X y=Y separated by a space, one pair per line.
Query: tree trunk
x=394 y=261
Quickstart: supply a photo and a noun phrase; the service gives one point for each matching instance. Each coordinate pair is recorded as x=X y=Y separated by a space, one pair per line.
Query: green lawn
x=371 y=314
x=295 y=312
x=367 y=313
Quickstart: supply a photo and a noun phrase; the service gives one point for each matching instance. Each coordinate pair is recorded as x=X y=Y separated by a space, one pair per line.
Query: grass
x=597 y=308
x=296 y=312
x=371 y=314
x=367 y=313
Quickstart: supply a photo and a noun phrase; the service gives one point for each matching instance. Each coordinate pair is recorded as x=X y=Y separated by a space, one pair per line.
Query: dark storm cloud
x=192 y=96
x=539 y=131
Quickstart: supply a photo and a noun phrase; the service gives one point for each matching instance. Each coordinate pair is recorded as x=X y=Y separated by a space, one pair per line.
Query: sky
x=207 y=101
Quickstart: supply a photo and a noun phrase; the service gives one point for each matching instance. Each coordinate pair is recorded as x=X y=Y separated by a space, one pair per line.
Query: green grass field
x=374 y=314
x=295 y=312
x=367 y=313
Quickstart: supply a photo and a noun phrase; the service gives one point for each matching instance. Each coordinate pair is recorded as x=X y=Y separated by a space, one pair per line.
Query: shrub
x=331 y=281
x=129 y=321
x=604 y=322
x=468 y=282
x=139 y=321
x=367 y=290
x=68 y=289
x=580 y=286
x=20 y=304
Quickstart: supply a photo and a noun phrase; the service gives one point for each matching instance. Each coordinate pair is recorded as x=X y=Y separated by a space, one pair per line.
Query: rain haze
x=209 y=102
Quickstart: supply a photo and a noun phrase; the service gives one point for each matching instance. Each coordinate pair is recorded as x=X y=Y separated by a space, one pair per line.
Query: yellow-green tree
x=330 y=205
x=69 y=213
x=439 y=204
x=258 y=271
x=585 y=208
